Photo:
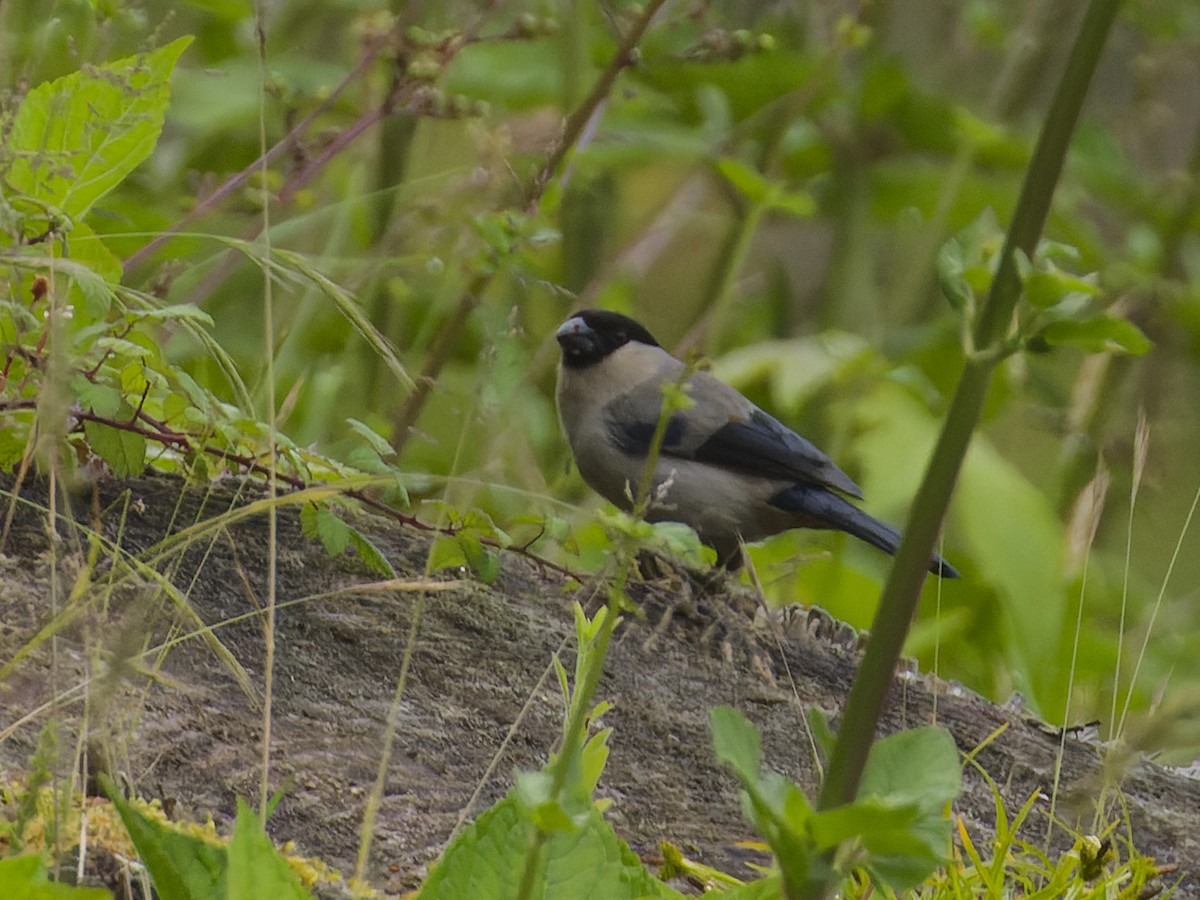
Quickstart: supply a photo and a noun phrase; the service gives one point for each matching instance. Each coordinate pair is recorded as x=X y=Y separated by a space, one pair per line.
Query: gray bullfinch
x=726 y=468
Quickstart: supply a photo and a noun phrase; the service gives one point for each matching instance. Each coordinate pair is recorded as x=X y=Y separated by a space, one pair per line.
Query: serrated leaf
x=483 y=562
x=446 y=553
x=255 y=868
x=124 y=451
x=1097 y=335
x=123 y=347
x=371 y=555
x=75 y=138
x=323 y=524
x=102 y=399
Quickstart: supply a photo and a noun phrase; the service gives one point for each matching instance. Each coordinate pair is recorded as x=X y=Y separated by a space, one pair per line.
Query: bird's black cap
x=592 y=334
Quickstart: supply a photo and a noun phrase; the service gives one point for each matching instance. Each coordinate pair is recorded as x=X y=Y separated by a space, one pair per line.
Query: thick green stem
x=899 y=600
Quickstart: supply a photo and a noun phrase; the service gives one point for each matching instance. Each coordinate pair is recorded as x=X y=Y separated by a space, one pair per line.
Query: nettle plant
x=85 y=379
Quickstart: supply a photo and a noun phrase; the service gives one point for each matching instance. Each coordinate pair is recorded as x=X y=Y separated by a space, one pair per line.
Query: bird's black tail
x=824 y=509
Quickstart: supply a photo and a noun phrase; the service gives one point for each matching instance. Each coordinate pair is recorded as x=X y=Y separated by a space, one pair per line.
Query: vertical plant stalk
x=989 y=344
x=575 y=731
x=264 y=785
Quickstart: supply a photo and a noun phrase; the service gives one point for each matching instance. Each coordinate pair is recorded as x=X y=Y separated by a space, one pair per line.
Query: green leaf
x=176 y=312
x=255 y=867
x=865 y=819
x=446 y=553
x=1098 y=335
x=736 y=743
x=950 y=268
x=102 y=399
x=74 y=139
x=823 y=735
x=182 y=867
x=534 y=791
x=796 y=203
x=321 y=523
x=124 y=451
x=483 y=563
x=918 y=766
x=1048 y=287
x=378 y=443
x=25 y=877
x=370 y=554
x=748 y=182
x=589 y=862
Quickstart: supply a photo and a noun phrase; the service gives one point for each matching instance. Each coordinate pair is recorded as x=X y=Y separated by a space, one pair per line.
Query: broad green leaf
x=797 y=369
x=182 y=867
x=918 y=766
x=1098 y=335
x=487 y=862
x=768 y=888
x=1007 y=525
x=75 y=138
x=124 y=451
x=25 y=877
x=736 y=743
x=482 y=561
x=859 y=820
x=534 y=792
x=102 y=399
x=446 y=553
x=255 y=868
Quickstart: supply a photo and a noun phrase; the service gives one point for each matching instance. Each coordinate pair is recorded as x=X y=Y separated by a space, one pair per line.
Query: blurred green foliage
x=774 y=186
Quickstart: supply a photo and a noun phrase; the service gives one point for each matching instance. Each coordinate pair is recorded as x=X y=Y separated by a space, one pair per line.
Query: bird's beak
x=576 y=337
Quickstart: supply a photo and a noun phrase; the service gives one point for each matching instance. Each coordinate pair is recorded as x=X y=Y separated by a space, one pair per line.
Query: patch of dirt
x=177 y=722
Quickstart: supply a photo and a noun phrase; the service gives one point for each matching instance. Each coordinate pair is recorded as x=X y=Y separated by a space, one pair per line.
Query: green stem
x=900 y=594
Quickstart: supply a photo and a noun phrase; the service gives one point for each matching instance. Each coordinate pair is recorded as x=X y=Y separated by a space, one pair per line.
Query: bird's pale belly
x=720 y=509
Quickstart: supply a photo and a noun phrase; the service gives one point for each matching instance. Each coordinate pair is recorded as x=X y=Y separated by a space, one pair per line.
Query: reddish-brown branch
x=160 y=433
x=236 y=182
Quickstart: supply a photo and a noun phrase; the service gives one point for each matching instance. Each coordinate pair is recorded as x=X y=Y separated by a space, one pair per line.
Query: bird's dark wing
x=762 y=445
x=724 y=429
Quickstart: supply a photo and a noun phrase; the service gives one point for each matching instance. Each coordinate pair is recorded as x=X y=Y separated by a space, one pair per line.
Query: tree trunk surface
x=480 y=701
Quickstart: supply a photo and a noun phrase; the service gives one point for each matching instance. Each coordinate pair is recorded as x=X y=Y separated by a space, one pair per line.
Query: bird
x=731 y=471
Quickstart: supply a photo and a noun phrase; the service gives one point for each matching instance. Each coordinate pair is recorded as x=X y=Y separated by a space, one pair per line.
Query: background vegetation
x=771 y=185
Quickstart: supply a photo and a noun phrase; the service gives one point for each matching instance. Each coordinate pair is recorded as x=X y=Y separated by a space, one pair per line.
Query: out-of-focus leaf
x=1005 y=524
x=1098 y=335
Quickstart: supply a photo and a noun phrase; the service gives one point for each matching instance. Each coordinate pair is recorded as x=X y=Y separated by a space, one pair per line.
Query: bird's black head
x=592 y=334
